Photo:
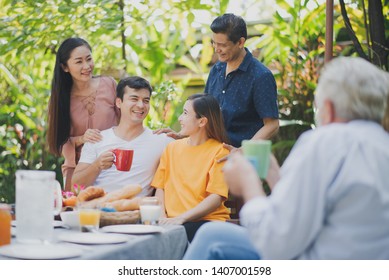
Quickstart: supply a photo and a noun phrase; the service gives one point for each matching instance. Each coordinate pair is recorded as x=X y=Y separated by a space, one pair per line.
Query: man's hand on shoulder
x=169 y=132
x=232 y=150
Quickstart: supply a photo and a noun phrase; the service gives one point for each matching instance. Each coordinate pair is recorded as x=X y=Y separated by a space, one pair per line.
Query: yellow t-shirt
x=188 y=174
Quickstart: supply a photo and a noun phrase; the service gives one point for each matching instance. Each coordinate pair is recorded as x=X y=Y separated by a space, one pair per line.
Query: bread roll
x=90 y=193
x=123 y=193
x=124 y=204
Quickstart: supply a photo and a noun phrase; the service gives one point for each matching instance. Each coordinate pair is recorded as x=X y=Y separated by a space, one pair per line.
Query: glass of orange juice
x=89 y=219
x=5 y=224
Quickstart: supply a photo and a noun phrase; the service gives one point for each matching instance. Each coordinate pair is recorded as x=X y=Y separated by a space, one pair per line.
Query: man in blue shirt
x=244 y=87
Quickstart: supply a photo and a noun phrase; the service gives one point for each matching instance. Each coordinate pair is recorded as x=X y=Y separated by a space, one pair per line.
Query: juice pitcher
x=38 y=199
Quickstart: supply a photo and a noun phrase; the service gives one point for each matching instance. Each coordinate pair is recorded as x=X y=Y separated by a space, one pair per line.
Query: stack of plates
x=92 y=238
x=133 y=229
x=40 y=251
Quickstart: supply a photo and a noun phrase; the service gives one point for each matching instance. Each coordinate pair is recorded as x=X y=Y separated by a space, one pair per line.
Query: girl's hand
x=171 y=221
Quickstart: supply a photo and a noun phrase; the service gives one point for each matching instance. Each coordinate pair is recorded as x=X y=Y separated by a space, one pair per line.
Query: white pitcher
x=38 y=199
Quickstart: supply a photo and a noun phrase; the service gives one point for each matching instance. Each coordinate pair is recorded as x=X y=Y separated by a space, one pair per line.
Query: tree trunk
x=350 y=30
x=122 y=34
x=380 y=45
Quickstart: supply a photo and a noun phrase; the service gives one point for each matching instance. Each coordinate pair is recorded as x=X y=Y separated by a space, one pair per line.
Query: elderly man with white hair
x=331 y=197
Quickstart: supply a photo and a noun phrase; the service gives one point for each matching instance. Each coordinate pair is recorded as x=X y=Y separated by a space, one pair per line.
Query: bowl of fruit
x=69 y=198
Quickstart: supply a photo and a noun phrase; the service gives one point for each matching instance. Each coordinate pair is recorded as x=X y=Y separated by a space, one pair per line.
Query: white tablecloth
x=167 y=245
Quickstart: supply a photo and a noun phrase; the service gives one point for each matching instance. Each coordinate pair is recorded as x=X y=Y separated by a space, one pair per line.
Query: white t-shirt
x=148 y=148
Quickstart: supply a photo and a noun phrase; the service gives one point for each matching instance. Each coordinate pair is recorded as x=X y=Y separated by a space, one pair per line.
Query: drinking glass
x=89 y=219
x=258 y=153
x=5 y=224
x=150 y=210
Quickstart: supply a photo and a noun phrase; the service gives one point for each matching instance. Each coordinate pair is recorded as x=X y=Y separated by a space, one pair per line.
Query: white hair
x=357 y=88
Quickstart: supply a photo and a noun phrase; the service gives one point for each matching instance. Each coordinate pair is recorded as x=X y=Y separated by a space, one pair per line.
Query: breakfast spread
x=124 y=204
x=119 y=206
x=125 y=193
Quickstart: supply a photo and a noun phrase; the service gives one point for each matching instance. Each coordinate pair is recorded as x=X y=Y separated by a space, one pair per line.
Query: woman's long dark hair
x=207 y=106
x=59 y=105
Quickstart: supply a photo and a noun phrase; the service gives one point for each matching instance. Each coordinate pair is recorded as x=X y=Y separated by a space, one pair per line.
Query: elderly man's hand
x=273 y=175
x=171 y=221
x=241 y=177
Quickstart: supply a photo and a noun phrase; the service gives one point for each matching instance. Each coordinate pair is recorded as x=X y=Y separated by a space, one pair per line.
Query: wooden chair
x=234 y=204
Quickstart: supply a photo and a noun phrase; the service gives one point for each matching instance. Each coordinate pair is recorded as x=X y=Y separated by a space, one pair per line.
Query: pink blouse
x=98 y=110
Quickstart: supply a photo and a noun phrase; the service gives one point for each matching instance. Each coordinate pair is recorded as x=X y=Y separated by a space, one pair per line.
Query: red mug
x=123 y=159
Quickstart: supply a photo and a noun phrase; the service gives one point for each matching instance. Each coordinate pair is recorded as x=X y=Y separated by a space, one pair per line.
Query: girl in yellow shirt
x=189 y=180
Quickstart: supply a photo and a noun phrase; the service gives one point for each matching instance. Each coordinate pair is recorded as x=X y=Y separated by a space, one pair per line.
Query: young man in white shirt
x=96 y=163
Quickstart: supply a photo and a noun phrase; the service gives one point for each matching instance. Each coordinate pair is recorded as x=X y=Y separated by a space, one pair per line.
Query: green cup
x=258 y=153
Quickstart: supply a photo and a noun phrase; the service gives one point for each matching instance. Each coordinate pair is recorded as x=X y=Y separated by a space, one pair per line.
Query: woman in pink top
x=80 y=104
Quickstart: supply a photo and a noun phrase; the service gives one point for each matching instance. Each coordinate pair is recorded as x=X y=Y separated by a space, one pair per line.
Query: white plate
x=56 y=223
x=40 y=252
x=92 y=238
x=133 y=229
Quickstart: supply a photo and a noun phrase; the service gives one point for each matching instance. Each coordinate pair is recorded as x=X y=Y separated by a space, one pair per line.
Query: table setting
x=98 y=226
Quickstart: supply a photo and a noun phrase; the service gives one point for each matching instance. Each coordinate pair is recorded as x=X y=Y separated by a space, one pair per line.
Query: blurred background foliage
x=165 y=41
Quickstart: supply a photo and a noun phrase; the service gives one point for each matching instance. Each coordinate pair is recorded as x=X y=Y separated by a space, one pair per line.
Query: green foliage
x=293 y=48
x=22 y=133
x=164 y=109
x=371 y=39
x=150 y=39
x=146 y=38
